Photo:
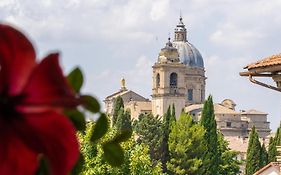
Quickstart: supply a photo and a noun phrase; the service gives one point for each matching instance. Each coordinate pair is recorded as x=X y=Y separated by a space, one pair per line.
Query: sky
x=111 y=39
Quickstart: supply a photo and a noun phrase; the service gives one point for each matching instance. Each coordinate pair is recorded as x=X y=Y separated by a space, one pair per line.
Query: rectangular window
x=190 y=94
x=228 y=124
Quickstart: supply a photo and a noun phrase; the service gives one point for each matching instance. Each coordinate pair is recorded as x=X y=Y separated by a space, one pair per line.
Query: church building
x=178 y=77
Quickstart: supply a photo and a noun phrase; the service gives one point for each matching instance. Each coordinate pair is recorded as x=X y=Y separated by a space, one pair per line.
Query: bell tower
x=168 y=81
x=195 y=79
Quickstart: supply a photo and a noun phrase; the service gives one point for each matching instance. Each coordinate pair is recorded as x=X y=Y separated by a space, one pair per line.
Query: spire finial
x=180 y=16
x=169 y=36
x=123 y=84
x=169 y=43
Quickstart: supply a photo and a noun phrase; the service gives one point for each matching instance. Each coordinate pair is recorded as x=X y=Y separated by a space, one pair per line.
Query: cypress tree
x=277 y=138
x=124 y=121
x=273 y=142
x=264 y=156
x=118 y=104
x=165 y=139
x=253 y=161
x=272 y=151
x=211 y=156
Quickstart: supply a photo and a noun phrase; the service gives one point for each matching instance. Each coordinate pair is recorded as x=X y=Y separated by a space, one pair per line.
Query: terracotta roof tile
x=237 y=144
x=268 y=61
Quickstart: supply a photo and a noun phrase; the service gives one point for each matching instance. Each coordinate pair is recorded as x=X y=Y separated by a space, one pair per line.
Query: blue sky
x=112 y=39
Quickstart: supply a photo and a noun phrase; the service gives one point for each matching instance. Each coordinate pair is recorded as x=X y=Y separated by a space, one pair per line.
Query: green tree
x=165 y=138
x=264 y=156
x=173 y=114
x=229 y=164
x=149 y=131
x=186 y=147
x=211 y=156
x=124 y=121
x=118 y=104
x=253 y=161
x=140 y=162
x=272 y=151
x=277 y=137
x=94 y=162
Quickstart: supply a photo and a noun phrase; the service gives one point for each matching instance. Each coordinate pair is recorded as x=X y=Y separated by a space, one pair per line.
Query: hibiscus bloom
x=32 y=98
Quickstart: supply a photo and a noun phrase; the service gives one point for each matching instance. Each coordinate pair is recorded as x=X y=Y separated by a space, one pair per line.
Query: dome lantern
x=180 y=31
x=188 y=54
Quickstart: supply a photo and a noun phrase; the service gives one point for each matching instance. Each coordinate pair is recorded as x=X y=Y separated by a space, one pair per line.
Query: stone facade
x=168 y=82
x=195 y=82
x=233 y=123
x=129 y=97
x=138 y=107
x=178 y=75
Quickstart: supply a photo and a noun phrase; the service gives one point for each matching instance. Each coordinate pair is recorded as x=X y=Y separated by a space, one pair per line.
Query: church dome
x=188 y=54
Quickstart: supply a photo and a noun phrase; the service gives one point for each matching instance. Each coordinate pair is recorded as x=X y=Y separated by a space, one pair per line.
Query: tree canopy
x=186 y=146
x=253 y=161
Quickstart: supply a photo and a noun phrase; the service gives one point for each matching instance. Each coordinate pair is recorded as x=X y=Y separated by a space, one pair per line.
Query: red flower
x=32 y=97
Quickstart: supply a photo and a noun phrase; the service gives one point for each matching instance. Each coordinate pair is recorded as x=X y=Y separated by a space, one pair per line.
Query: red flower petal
x=16 y=158
x=17 y=60
x=48 y=86
x=54 y=136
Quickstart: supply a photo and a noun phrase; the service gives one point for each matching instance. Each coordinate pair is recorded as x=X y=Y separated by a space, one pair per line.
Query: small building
x=234 y=123
x=134 y=102
x=270 y=169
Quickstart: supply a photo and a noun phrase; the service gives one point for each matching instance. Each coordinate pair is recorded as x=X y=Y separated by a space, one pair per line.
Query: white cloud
x=4 y=3
x=230 y=35
x=138 y=78
x=159 y=9
x=113 y=39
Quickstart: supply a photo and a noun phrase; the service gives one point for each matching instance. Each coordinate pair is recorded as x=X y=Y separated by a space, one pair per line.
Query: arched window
x=158 y=80
x=173 y=80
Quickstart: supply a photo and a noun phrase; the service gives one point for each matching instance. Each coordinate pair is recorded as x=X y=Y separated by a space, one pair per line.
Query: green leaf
x=77 y=118
x=78 y=166
x=113 y=153
x=100 y=129
x=90 y=103
x=122 y=136
x=75 y=78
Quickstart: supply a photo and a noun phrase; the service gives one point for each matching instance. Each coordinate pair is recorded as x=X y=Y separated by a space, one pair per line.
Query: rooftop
x=266 y=62
x=253 y=111
x=218 y=109
x=273 y=165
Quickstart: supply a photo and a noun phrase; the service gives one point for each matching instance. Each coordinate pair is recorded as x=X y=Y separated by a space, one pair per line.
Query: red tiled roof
x=266 y=62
